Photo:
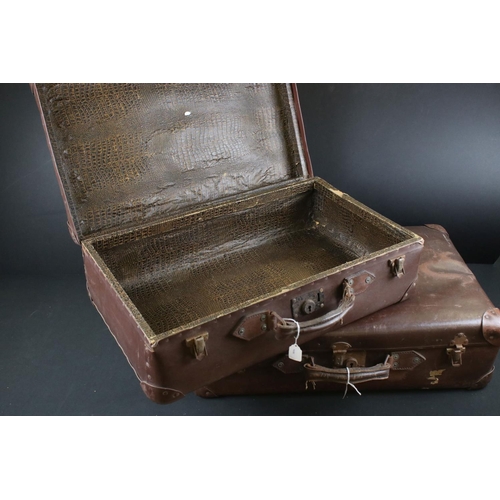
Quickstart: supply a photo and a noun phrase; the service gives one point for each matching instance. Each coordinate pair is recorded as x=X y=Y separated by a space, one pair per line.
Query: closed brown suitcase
x=446 y=337
x=203 y=230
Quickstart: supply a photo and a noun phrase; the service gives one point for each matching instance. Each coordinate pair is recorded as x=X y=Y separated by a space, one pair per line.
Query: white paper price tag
x=295 y=353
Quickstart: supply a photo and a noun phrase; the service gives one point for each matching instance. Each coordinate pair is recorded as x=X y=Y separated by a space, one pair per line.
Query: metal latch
x=457 y=349
x=339 y=351
x=198 y=346
x=398 y=266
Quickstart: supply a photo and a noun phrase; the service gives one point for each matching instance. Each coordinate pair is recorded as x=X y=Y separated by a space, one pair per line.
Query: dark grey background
x=416 y=153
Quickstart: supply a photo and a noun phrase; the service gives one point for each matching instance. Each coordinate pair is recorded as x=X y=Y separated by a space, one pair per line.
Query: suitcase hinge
x=457 y=349
x=198 y=346
x=397 y=266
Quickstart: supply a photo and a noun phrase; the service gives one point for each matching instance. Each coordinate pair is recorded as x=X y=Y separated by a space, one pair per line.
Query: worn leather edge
x=438 y=227
x=302 y=131
x=491 y=326
x=71 y=224
x=409 y=291
x=482 y=382
x=206 y=392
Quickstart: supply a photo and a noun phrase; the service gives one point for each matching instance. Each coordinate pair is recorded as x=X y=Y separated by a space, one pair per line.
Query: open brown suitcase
x=203 y=230
x=446 y=336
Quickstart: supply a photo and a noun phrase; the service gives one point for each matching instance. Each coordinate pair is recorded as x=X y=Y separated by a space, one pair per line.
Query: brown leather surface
x=447 y=300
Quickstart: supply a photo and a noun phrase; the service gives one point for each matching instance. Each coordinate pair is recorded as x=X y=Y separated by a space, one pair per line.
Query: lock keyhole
x=309 y=306
x=351 y=363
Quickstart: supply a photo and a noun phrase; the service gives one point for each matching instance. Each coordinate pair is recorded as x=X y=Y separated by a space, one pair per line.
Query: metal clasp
x=339 y=351
x=457 y=349
x=198 y=346
x=342 y=357
x=398 y=266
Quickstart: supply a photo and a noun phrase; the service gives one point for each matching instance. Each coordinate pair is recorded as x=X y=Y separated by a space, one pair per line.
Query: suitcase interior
x=193 y=268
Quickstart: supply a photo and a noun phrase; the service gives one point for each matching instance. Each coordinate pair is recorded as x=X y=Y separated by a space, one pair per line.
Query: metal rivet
x=241 y=331
x=280 y=364
x=396 y=356
x=263 y=327
x=263 y=317
x=322 y=305
x=321 y=290
x=351 y=281
x=368 y=279
x=416 y=360
x=486 y=316
x=396 y=364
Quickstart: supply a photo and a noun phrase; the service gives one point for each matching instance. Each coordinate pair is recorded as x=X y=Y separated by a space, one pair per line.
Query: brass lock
x=198 y=346
x=308 y=306
x=398 y=266
x=457 y=349
x=308 y=303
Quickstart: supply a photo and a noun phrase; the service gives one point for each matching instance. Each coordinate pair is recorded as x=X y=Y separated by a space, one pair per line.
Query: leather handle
x=285 y=328
x=257 y=324
x=357 y=375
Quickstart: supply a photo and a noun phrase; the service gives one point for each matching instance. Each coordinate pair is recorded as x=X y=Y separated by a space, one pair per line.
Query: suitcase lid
x=126 y=154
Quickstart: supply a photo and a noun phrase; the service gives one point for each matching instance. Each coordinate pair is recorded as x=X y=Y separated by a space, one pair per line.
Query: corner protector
x=161 y=395
x=483 y=381
x=286 y=365
x=206 y=392
x=437 y=227
x=409 y=291
x=406 y=360
x=491 y=326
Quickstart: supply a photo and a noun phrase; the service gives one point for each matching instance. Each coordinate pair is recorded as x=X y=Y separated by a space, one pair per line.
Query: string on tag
x=349 y=383
x=297 y=324
x=294 y=351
